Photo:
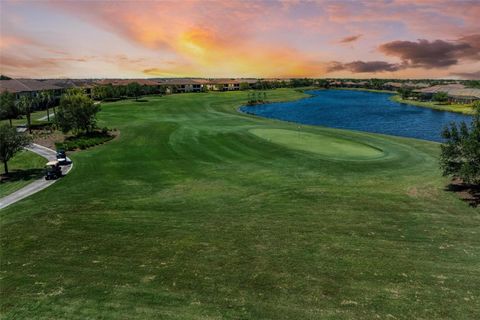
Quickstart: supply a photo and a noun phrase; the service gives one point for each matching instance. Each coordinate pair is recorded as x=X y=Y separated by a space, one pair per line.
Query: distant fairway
x=197 y=211
x=326 y=145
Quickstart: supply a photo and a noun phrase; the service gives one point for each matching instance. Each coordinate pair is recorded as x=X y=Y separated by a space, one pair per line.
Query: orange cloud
x=229 y=38
x=207 y=37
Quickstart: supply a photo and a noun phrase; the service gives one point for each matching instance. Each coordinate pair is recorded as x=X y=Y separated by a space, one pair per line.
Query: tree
x=134 y=89
x=11 y=142
x=295 y=83
x=405 y=92
x=440 y=97
x=76 y=112
x=99 y=92
x=376 y=83
x=244 y=86
x=322 y=83
x=8 y=108
x=473 y=84
x=47 y=98
x=460 y=154
x=26 y=105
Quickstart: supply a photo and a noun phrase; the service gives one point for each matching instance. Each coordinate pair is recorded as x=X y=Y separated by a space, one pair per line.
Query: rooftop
x=26 y=85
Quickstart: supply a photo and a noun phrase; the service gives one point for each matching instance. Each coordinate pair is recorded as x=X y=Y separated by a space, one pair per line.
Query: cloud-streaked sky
x=228 y=38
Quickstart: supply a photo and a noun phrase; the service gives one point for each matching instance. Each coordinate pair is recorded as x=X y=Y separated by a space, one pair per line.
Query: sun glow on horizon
x=243 y=39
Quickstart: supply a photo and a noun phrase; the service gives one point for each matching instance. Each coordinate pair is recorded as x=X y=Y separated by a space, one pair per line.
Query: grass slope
x=24 y=168
x=188 y=215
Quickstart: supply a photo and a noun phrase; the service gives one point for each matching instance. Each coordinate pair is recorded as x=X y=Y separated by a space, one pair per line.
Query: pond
x=363 y=111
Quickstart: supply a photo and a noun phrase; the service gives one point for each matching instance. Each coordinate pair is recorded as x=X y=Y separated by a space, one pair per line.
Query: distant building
x=30 y=87
x=456 y=92
x=183 y=85
x=393 y=85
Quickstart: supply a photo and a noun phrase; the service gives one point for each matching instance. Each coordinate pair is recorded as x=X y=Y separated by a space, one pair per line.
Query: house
x=29 y=87
x=66 y=84
x=466 y=95
x=183 y=85
x=456 y=92
x=335 y=83
x=223 y=84
x=126 y=82
x=357 y=84
x=393 y=85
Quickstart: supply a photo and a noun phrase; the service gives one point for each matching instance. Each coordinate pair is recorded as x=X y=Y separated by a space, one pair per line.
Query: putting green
x=325 y=145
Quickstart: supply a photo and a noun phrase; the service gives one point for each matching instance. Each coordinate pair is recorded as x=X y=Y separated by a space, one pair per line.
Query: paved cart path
x=37 y=185
x=44 y=118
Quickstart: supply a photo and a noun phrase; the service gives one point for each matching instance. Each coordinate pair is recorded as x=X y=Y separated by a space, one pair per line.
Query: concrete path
x=46 y=117
x=39 y=184
x=23 y=127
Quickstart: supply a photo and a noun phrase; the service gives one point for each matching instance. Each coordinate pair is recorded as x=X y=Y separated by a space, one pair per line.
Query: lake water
x=363 y=111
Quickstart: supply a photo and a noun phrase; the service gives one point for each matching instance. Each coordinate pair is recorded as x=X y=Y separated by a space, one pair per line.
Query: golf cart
x=53 y=170
x=62 y=157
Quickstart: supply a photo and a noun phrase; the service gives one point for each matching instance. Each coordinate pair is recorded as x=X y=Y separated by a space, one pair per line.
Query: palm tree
x=26 y=104
x=46 y=97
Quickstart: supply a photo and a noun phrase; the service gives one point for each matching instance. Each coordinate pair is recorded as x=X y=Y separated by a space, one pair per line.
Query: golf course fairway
x=197 y=211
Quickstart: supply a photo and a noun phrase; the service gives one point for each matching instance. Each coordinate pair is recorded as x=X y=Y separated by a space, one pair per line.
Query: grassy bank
x=24 y=168
x=365 y=89
x=460 y=108
x=199 y=212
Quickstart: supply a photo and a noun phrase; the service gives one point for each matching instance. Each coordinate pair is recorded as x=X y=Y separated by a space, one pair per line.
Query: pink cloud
x=230 y=38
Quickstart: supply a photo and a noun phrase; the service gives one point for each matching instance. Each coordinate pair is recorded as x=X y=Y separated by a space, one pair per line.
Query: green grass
x=329 y=146
x=365 y=89
x=35 y=116
x=458 y=107
x=23 y=168
x=190 y=215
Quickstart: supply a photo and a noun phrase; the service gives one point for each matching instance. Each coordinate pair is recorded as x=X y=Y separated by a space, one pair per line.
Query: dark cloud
x=468 y=75
x=363 y=66
x=350 y=39
x=433 y=54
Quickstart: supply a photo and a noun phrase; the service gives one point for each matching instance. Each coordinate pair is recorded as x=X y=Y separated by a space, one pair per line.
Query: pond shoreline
x=430 y=105
x=360 y=110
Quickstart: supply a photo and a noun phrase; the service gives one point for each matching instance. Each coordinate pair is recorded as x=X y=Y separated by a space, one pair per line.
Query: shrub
x=440 y=97
x=85 y=140
x=112 y=99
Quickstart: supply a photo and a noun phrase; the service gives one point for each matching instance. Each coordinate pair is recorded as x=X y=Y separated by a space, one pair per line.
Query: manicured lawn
x=198 y=212
x=460 y=108
x=35 y=116
x=24 y=168
x=330 y=146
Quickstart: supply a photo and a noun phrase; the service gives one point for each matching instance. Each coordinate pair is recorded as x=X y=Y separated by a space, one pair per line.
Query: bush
x=460 y=157
x=41 y=126
x=112 y=99
x=440 y=97
x=85 y=140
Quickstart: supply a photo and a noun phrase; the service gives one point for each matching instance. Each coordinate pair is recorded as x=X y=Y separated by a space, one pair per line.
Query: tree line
x=12 y=108
x=75 y=113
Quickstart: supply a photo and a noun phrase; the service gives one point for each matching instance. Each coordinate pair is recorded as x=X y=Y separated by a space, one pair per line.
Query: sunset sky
x=138 y=39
